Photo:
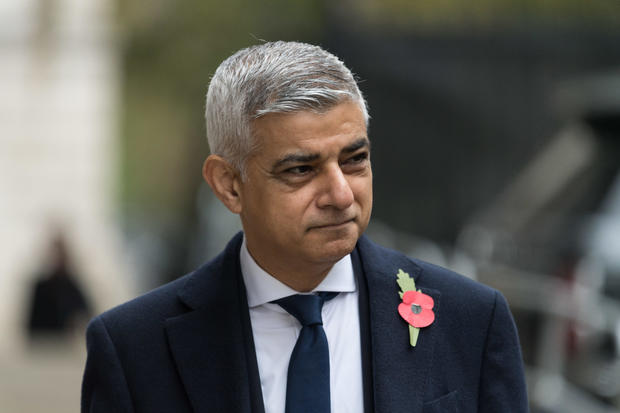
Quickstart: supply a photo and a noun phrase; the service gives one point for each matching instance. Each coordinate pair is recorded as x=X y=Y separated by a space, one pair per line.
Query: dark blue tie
x=307 y=388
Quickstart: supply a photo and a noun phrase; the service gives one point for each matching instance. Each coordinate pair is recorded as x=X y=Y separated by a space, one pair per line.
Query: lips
x=332 y=224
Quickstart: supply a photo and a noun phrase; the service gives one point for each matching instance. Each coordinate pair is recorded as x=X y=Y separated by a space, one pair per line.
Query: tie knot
x=306 y=307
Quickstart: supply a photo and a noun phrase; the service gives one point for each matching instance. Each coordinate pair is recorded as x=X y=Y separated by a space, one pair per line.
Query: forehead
x=335 y=127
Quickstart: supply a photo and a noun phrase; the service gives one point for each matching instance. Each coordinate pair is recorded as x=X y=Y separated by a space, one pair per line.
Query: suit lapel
x=209 y=343
x=399 y=371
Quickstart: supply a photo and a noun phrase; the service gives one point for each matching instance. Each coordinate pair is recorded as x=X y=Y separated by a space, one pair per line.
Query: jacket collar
x=399 y=371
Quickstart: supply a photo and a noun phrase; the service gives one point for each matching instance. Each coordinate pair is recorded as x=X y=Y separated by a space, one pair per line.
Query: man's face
x=307 y=196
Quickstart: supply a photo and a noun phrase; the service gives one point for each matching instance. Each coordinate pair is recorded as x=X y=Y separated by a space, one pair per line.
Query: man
x=287 y=128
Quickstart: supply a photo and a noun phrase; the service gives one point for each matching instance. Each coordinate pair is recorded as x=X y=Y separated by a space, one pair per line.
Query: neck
x=301 y=282
x=301 y=277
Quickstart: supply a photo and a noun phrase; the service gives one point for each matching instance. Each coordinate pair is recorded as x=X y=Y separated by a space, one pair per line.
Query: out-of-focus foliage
x=170 y=49
x=446 y=14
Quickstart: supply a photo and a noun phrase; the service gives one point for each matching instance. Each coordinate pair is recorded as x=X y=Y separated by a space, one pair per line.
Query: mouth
x=334 y=225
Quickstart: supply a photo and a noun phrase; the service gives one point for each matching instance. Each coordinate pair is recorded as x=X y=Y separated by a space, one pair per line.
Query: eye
x=299 y=170
x=297 y=175
x=357 y=158
x=360 y=157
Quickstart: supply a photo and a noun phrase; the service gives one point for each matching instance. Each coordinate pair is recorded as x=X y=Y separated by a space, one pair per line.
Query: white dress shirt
x=276 y=331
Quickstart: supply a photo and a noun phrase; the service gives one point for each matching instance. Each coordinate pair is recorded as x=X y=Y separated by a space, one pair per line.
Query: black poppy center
x=416 y=309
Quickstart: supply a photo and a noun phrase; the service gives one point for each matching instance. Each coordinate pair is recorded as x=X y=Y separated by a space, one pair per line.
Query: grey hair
x=274 y=77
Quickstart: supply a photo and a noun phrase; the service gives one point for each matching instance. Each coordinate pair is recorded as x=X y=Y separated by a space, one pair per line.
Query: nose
x=336 y=191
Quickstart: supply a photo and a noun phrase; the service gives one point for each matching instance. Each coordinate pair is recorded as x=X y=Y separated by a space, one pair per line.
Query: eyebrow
x=304 y=158
x=358 y=144
x=295 y=158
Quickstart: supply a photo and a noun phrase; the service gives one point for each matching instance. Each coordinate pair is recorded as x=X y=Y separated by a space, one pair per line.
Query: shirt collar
x=263 y=288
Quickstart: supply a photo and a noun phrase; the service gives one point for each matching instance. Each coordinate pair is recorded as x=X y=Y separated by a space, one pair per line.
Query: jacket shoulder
x=450 y=284
x=176 y=297
x=146 y=309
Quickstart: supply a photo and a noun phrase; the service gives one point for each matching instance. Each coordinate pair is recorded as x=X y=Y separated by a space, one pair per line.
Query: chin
x=333 y=251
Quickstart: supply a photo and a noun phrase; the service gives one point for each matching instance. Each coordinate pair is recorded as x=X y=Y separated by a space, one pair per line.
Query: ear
x=223 y=180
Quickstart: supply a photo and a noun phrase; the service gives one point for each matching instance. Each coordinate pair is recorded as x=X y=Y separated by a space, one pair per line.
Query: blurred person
x=301 y=312
x=58 y=305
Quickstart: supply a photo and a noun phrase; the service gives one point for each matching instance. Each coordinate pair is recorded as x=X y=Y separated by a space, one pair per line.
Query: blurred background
x=496 y=152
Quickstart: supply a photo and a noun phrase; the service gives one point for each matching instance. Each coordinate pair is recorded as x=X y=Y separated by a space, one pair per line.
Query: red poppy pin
x=416 y=308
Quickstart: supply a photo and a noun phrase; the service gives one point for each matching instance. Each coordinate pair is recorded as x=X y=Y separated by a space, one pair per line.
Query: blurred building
x=59 y=80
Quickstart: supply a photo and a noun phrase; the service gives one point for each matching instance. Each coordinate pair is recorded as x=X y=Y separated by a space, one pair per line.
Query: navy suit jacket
x=188 y=346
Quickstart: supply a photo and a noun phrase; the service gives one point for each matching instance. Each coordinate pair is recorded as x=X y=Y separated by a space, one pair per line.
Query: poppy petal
x=424 y=301
x=419 y=298
x=405 y=312
x=409 y=296
x=424 y=319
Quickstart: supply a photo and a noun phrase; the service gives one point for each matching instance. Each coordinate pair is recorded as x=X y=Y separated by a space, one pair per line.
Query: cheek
x=290 y=209
x=302 y=200
x=259 y=209
x=362 y=190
